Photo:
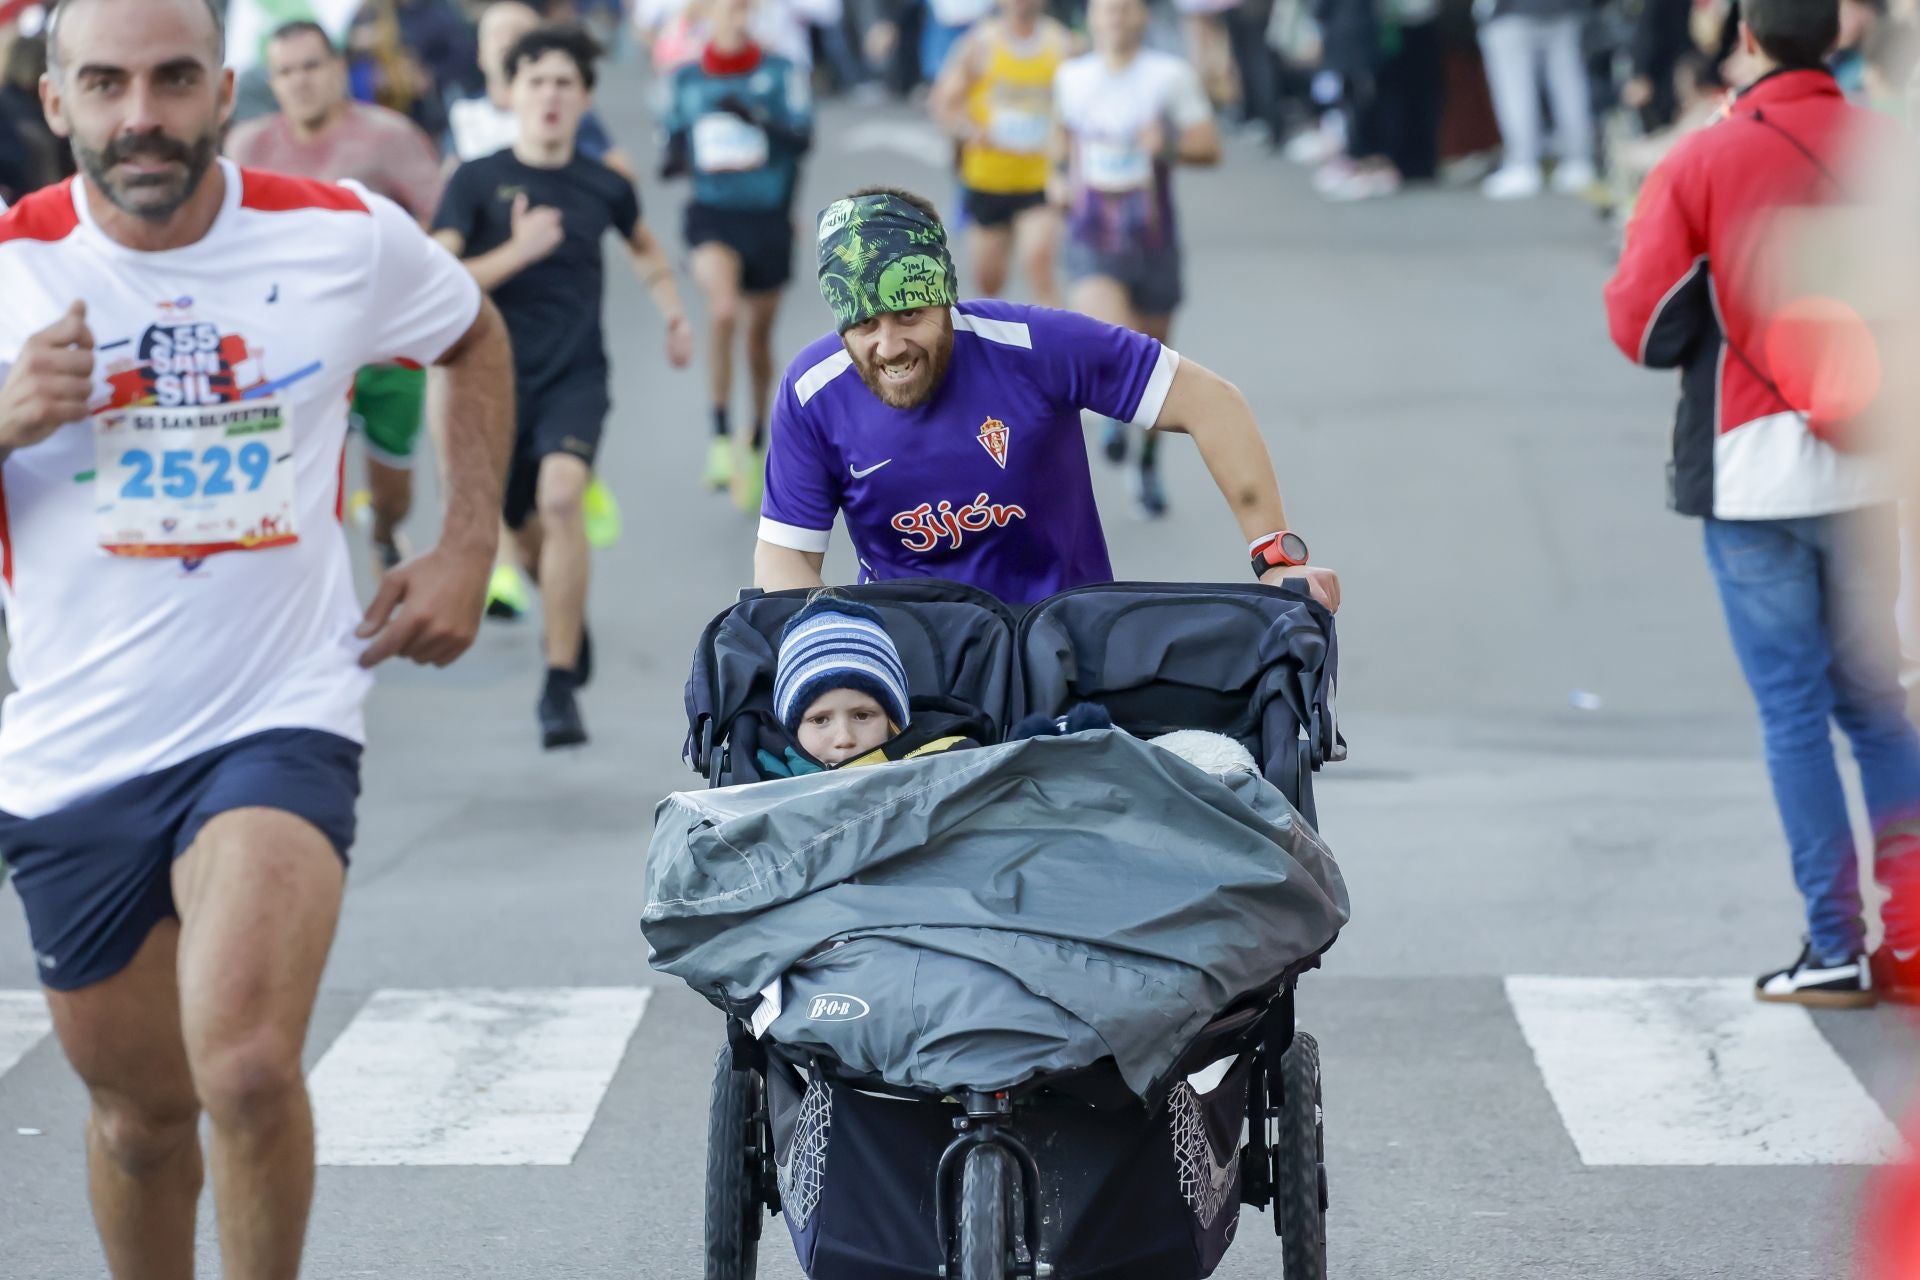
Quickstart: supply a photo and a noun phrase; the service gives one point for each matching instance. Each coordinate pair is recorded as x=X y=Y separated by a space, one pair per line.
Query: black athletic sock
x=561 y=679
x=759 y=436
x=720 y=428
x=1149 y=450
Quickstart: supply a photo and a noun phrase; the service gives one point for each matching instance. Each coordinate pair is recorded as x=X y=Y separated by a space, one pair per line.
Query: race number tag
x=1115 y=166
x=188 y=482
x=724 y=143
x=1019 y=131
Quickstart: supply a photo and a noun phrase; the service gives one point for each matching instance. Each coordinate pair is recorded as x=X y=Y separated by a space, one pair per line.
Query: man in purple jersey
x=956 y=450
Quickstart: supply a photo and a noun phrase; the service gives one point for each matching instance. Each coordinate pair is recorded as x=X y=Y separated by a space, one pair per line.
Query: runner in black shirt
x=529 y=221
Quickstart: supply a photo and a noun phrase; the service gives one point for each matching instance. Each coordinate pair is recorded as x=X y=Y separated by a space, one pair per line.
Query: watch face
x=1293 y=547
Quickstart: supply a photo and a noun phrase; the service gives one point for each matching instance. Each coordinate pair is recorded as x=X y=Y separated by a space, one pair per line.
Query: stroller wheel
x=733 y=1171
x=982 y=1253
x=1300 y=1191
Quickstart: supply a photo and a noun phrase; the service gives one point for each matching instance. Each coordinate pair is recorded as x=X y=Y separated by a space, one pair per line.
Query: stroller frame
x=988 y=1225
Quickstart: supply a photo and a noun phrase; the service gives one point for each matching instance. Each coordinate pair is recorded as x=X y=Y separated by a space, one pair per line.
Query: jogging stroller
x=1099 y=1168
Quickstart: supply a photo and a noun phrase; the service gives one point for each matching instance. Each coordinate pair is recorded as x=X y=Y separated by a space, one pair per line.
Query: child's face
x=842 y=724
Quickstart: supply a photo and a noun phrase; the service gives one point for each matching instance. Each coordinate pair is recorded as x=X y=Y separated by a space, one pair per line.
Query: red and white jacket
x=1687 y=293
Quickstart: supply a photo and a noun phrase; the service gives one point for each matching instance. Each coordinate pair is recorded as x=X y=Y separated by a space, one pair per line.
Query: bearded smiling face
x=902 y=356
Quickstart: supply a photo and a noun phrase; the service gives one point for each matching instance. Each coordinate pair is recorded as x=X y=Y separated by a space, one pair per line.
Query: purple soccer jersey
x=987 y=483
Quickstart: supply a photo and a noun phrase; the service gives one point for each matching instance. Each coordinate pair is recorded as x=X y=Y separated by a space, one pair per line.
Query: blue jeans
x=1809 y=604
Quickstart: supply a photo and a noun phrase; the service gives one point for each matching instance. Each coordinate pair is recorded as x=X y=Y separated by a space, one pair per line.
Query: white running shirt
x=1095 y=101
x=221 y=377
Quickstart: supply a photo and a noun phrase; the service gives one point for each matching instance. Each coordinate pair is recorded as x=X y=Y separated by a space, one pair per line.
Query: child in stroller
x=858 y=1113
x=840 y=692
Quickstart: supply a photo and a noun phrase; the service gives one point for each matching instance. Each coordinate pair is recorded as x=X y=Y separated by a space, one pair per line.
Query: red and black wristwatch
x=1283 y=550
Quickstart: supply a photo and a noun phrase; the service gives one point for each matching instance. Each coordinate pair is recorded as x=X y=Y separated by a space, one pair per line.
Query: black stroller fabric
x=980 y=918
x=1244 y=660
x=1129 y=1193
x=955 y=642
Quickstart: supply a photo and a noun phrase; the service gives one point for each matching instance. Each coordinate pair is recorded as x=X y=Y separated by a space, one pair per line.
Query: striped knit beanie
x=837 y=644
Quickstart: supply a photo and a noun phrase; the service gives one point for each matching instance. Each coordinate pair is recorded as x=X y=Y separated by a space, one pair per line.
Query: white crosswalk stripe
x=1695 y=1072
x=471 y=1077
x=1653 y=1072
x=24 y=1020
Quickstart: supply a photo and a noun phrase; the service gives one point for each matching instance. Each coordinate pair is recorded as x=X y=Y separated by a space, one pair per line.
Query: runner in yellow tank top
x=996 y=95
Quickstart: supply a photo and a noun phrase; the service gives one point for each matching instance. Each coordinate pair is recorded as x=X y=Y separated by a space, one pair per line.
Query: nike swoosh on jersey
x=858 y=474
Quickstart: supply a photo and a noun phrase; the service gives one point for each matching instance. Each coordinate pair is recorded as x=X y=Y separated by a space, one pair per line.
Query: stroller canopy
x=979 y=918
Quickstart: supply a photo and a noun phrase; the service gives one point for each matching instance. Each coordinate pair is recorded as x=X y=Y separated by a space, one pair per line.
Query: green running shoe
x=507 y=595
x=719 y=474
x=750 y=482
x=603 y=515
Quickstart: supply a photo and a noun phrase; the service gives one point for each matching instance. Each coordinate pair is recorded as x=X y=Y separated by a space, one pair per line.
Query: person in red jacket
x=1799 y=530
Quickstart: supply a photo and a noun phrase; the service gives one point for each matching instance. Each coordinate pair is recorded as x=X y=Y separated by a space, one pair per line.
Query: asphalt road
x=1554 y=772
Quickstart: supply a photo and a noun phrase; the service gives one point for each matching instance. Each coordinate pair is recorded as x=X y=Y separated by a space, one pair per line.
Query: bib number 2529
x=193 y=481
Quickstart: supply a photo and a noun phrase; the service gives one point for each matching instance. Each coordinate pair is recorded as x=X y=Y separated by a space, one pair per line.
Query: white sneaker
x=1513 y=182
x=1334 y=173
x=1573 y=177
x=1312 y=146
x=1364 y=184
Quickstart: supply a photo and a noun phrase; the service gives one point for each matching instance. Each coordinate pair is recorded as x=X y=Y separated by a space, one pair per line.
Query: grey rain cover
x=976 y=918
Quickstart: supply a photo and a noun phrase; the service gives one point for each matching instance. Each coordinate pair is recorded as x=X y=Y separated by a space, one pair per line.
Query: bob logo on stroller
x=834 y=1007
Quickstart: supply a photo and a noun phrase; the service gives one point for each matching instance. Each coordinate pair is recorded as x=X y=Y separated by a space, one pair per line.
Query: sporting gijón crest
x=993 y=438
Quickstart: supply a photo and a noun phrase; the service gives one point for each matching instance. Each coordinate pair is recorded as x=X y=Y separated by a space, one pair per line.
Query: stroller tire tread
x=1299 y=1198
x=732 y=1245
x=982 y=1252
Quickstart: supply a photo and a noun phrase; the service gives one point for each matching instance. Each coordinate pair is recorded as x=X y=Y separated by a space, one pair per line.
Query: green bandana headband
x=879 y=254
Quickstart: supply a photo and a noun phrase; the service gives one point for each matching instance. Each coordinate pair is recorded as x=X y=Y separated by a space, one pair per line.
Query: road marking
x=24 y=1022
x=1694 y=1072
x=471 y=1077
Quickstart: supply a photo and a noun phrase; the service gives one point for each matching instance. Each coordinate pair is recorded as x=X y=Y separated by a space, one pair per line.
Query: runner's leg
x=991 y=248
x=259 y=895
x=563 y=556
x=1036 y=239
x=527 y=543
x=122 y=1036
x=750 y=480
x=717 y=269
x=1105 y=299
x=1159 y=328
x=392 y=490
x=762 y=310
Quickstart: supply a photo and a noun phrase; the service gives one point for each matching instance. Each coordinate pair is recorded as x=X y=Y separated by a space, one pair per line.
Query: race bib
x=960 y=13
x=1018 y=131
x=188 y=482
x=724 y=143
x=1115 y=167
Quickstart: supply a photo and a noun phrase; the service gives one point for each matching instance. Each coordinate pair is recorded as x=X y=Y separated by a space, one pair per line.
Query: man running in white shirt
x=1126 y=117
x=179 y=762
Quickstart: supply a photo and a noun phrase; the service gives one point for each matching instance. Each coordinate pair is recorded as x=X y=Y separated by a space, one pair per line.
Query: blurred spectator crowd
x=1523 y=97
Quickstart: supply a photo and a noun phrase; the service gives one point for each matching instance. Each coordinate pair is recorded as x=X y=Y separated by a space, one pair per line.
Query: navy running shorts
x=96 y=876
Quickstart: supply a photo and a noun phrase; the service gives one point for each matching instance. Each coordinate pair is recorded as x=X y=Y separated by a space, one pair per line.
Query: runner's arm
x=1060 y=165
x=474 y=411
x=948 y=101
x=490 y=270
x=622 y=163
x=1212 y=411
x=1199 y=144
x=778 y=568
x=655 y=270
x=1196 y=134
